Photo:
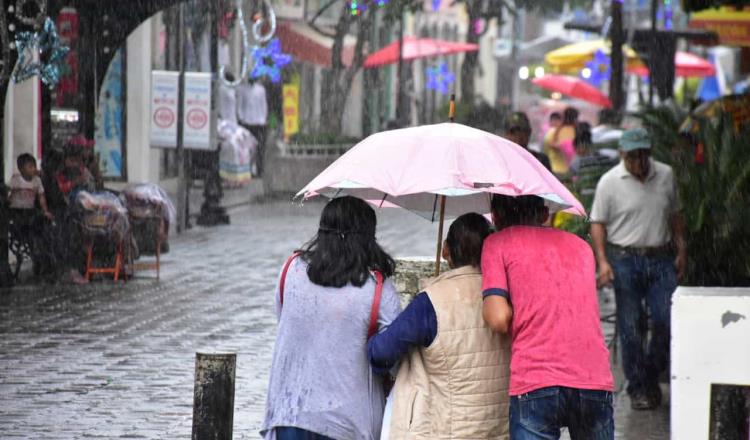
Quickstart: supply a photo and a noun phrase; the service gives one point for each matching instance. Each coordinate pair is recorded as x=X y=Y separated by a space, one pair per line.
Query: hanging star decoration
x=51 y=55
x=439 y=78
x=269 y=60
x=435 y=5
x=599 y=68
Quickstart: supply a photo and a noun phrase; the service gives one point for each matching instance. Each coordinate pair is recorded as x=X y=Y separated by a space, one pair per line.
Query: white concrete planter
x=710 y=346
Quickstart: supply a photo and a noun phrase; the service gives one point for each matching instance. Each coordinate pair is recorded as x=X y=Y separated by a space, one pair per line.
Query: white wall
x=8 y=134
x=142 y=160
x=707 y=347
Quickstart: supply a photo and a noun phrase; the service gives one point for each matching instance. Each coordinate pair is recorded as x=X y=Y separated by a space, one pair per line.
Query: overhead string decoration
x=245 y=51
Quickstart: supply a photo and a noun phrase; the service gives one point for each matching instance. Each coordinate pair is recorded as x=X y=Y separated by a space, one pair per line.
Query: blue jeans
x=292 y=433
x=539 y=415
x=639 y=279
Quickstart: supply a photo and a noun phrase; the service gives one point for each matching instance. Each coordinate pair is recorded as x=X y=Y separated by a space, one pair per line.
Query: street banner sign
x=164 y=91
x=291 y=109
x=197 y=123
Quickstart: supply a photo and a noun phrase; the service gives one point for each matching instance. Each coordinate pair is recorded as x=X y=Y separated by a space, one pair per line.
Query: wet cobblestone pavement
x=111 y=360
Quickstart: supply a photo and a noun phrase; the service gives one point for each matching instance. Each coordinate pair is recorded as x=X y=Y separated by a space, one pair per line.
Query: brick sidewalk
x=117 y=360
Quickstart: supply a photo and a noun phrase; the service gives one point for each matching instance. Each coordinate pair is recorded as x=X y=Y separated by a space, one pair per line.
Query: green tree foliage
x=715 y=193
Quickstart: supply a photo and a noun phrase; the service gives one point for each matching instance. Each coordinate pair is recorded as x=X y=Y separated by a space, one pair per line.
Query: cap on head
x=518 y=121
x=636 y=139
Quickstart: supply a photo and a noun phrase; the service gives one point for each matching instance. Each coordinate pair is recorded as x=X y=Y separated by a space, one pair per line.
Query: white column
x=142 y=161
x=22 y=122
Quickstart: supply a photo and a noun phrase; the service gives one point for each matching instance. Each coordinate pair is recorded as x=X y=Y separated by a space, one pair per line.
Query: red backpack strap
x=375 y=311
x=283 y=276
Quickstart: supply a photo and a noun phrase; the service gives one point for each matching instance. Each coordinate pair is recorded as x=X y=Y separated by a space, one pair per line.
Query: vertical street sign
x=164 y=90
x=197 y=123
x=291 y=109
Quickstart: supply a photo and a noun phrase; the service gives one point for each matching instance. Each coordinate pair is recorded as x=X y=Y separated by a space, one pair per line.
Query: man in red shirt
x=539 y=285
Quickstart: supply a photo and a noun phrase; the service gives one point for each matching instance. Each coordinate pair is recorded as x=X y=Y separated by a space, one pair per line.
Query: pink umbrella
x=573 y=87
x=437 y=170
x=685 y=64
x=415 y=48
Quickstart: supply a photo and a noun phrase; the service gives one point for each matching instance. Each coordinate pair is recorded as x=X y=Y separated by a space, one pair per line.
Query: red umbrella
x=685 y=64
x=573 y=87
x=415 y=48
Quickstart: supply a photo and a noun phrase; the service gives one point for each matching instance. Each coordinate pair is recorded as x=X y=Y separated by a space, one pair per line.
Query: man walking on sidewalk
x=539 y=284
x=636 y=229
x=252 y=108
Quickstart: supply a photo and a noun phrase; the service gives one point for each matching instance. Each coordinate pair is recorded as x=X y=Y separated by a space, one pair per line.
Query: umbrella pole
x=440 y=236
x=451 y=117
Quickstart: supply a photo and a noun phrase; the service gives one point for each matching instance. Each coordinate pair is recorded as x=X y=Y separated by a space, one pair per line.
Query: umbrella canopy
x=573 y=87
x=573 y=57
x=412 y=167
x=735 y=105
x=685 y=64
x=415 y=48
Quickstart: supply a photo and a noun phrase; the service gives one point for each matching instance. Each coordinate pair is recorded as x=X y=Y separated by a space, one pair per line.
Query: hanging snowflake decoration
x=269 y=60
x=598 y=69
x=439 y=78
x=51 y=55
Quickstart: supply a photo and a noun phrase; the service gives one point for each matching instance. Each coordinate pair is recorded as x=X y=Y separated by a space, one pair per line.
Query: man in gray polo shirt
x=638 y=238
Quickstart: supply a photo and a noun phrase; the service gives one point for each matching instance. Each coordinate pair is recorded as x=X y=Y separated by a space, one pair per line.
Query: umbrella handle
x=440 y=236
x=452 y=108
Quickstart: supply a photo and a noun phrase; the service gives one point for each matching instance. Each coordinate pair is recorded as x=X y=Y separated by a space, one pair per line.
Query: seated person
x=71 y=179
x=74 y=176
x=442 y=335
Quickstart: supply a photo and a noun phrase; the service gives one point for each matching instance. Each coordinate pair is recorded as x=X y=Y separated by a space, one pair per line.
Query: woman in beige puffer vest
x=453 y=378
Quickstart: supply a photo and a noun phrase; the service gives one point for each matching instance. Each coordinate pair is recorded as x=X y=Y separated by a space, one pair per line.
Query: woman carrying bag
x=332 y=295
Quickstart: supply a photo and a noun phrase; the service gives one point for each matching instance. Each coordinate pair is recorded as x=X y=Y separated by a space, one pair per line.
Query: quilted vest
x=457 y=388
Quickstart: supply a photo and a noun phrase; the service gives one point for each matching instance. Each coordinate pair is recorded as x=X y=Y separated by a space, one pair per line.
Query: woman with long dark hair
x=321 y=384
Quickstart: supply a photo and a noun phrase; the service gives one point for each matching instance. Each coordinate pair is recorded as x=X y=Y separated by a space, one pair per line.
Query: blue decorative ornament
x=439 y=78
x=436 y=5
x=599 y=67
x=51 y=53
x=269 y=60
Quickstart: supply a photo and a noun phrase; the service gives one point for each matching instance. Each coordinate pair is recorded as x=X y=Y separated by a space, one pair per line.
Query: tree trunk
x=337 y=81
x=471 y=59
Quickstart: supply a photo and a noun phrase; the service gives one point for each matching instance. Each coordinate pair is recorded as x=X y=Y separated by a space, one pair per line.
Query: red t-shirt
x=549 y=278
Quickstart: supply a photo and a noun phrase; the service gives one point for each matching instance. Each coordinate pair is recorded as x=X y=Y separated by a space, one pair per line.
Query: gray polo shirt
x=636 y=213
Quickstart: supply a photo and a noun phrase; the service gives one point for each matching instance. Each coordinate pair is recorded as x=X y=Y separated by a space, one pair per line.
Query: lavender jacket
x=321 y=379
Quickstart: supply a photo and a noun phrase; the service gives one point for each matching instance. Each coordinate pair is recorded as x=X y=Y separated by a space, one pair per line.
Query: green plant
x=715 y=194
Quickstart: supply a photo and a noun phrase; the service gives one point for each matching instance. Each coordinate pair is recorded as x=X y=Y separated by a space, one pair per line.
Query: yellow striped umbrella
x=573 y=57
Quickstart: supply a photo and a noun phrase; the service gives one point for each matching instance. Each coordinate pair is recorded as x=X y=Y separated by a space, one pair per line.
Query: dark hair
x=608 y=116
x=345 y=249
x=570 y=116
x=583 y=134
x=23 y=159
x=521 y=210
x=555 y=115
x=465 y=238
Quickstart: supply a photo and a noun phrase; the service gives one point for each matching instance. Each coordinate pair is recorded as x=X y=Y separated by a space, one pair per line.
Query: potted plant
x=710 y=323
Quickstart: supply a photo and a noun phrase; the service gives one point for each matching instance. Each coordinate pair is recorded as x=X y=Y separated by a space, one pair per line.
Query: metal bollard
x=213 y=400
